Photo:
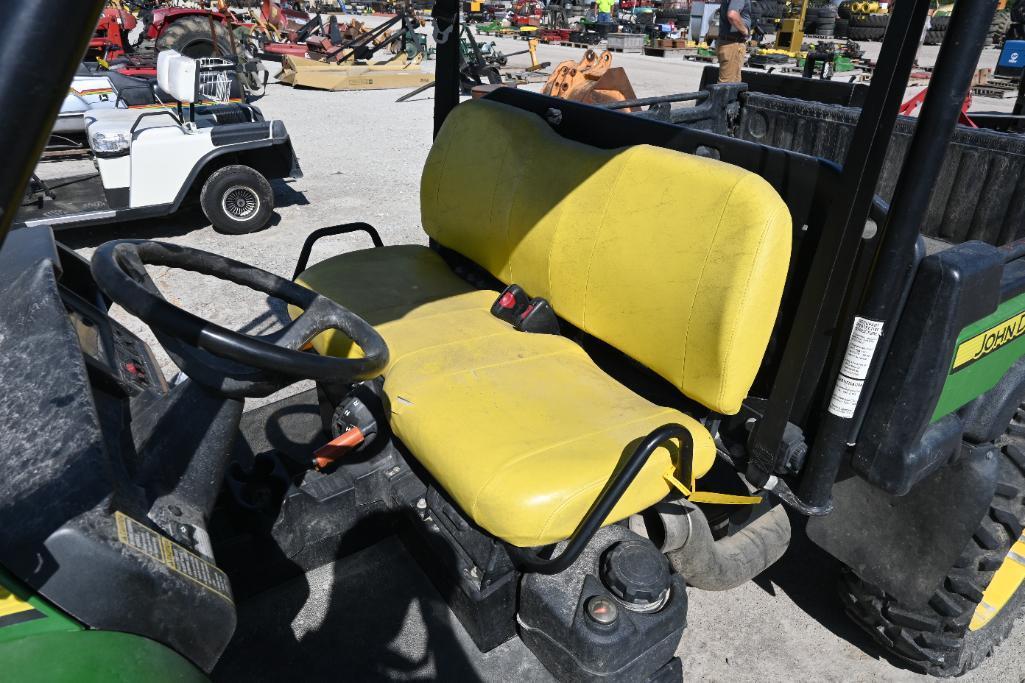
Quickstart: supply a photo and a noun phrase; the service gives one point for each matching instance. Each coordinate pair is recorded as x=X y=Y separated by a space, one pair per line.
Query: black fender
x=264 y=146
x=907 y=544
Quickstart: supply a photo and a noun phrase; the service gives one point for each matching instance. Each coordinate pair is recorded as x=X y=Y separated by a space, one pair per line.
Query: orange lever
x=337 y=447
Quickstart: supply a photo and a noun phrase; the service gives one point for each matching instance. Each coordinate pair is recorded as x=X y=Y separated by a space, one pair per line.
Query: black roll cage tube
x=344 y=228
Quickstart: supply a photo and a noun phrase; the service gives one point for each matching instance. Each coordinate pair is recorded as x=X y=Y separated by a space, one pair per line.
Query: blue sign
x=1013 y=55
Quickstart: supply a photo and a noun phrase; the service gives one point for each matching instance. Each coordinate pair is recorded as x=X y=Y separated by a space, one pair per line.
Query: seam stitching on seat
x=629 y=154
x=506 y=249
x=423 y=302
x=441 y=180
x=511 y=361
x=697 y=285
x=420 y=349
x=538 y=451
x=743 y=303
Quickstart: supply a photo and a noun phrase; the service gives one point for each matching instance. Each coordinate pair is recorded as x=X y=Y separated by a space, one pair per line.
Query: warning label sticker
x=845 y=396
x=176 y=558
x=861 y=348
x=856 y=363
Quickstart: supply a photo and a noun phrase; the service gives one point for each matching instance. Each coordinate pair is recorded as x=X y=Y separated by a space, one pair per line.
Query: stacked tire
x=820 y=21
x=998 y=28
x=843 y=20
x=765 y=14
x=869 y=27
x=937 y=30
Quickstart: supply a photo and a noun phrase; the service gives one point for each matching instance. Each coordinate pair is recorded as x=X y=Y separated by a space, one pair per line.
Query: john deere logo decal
x=990 y=340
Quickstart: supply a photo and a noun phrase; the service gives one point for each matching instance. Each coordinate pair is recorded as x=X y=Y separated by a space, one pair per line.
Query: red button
x=132 y=368
x=507 y=300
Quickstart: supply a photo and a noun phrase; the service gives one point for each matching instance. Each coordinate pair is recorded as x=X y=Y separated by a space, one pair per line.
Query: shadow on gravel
x=284 y=195
x=178 y=224
x=809 y=577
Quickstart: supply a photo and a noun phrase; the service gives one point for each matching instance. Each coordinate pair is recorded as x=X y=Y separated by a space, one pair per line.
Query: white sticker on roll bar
x=854 y=370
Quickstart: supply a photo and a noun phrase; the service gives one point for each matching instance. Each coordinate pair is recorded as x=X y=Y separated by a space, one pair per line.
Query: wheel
x=237 y=200
x=934 y=37
x=964 y=620
x=842 y=28
x=864 y=33
x=193 y=37
x=940 y=23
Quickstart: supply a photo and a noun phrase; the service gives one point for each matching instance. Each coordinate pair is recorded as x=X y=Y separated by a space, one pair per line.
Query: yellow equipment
x=396 y=72
x=791 y=29
x=866 y=8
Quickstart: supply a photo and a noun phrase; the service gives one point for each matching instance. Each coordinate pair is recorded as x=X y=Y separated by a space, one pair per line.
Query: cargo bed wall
x=979 y=195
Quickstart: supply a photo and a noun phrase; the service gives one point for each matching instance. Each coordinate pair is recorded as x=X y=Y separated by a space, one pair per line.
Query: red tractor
x=110 y=40
x=192 y=32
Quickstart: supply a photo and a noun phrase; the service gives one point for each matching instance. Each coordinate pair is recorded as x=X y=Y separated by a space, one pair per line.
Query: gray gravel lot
x=362 y=154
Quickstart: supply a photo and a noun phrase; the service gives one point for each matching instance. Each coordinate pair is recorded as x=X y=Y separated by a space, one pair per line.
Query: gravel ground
x=362 y=154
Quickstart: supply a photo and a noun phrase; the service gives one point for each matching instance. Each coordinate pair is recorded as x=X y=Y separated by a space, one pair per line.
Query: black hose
x=711 y=565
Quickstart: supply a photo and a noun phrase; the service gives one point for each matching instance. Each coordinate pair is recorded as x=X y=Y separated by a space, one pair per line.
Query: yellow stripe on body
x=1005 y=583
x=11 y=603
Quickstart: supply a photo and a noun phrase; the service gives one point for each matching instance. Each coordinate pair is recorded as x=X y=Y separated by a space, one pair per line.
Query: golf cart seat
x=676 y=261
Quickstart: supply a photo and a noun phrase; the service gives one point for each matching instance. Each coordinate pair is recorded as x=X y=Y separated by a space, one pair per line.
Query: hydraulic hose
x=713 y=565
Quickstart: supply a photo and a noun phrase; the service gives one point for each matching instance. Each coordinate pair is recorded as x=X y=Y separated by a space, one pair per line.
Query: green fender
x=87 y=656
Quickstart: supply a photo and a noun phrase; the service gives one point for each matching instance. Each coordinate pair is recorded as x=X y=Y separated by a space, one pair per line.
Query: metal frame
x=343 y=229
x=825 y=314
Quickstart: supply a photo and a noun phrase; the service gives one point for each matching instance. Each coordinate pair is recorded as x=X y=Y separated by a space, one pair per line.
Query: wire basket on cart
x=215 y=78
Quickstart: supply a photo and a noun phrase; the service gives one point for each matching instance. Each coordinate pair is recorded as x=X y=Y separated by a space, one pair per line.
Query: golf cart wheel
x=237 y=200
x=193 y=36
x=979 y=600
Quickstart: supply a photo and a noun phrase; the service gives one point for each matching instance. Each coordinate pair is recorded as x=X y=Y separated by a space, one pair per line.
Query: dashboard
x=110 y=348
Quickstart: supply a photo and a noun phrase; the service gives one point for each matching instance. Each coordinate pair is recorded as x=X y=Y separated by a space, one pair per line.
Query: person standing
x=605 y=11
x=734 y=34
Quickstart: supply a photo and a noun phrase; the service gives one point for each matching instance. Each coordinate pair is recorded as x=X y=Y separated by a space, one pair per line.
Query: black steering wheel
x=228 y=362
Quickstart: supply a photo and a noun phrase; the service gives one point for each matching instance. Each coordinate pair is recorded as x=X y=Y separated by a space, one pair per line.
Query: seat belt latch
x=538 y=317
x=510 y=304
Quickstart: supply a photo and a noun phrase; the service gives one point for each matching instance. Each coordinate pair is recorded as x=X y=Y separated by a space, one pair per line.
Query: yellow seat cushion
x=381 y=285
x=523 y=430
x=676 y=260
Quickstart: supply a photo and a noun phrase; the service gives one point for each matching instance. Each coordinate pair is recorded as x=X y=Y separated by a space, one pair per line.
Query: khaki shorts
x=731 y=58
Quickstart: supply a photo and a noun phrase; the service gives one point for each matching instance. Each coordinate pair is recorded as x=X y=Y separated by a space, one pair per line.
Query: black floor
x=373 y=616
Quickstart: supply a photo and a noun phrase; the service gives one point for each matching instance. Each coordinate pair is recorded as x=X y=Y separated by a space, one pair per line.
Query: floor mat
x=373 y=616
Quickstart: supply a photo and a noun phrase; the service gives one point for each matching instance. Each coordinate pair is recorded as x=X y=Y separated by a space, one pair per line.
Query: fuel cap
x=637 y=574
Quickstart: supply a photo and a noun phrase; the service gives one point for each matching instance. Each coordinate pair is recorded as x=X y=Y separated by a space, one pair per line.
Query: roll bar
x=55 y=48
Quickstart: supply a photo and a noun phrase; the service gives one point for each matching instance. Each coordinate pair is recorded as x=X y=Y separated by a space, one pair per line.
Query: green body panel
x=93 y=656
x=976 y=378
x=45 y=619
x=46 y=645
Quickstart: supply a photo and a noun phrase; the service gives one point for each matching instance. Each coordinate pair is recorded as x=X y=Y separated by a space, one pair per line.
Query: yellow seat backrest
x=676 y=260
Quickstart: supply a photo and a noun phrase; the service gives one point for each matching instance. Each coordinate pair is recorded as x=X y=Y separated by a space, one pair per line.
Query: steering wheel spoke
x=229 y=362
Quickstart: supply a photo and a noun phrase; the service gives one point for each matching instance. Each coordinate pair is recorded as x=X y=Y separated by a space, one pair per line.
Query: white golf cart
x=149 y=162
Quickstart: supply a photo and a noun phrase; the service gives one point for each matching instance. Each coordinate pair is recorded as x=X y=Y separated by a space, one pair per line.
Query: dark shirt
x=726 y=30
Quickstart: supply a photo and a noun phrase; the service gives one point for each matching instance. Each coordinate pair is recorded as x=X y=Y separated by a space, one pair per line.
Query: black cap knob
x=637 y=574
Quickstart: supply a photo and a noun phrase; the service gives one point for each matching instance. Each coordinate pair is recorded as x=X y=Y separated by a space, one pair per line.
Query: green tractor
x=630 y=355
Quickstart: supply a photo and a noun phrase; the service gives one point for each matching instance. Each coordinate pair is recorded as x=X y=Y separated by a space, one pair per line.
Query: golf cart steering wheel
x=232 y=363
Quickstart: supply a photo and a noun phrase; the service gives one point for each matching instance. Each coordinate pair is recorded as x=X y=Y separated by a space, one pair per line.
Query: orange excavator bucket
x=592 y=80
